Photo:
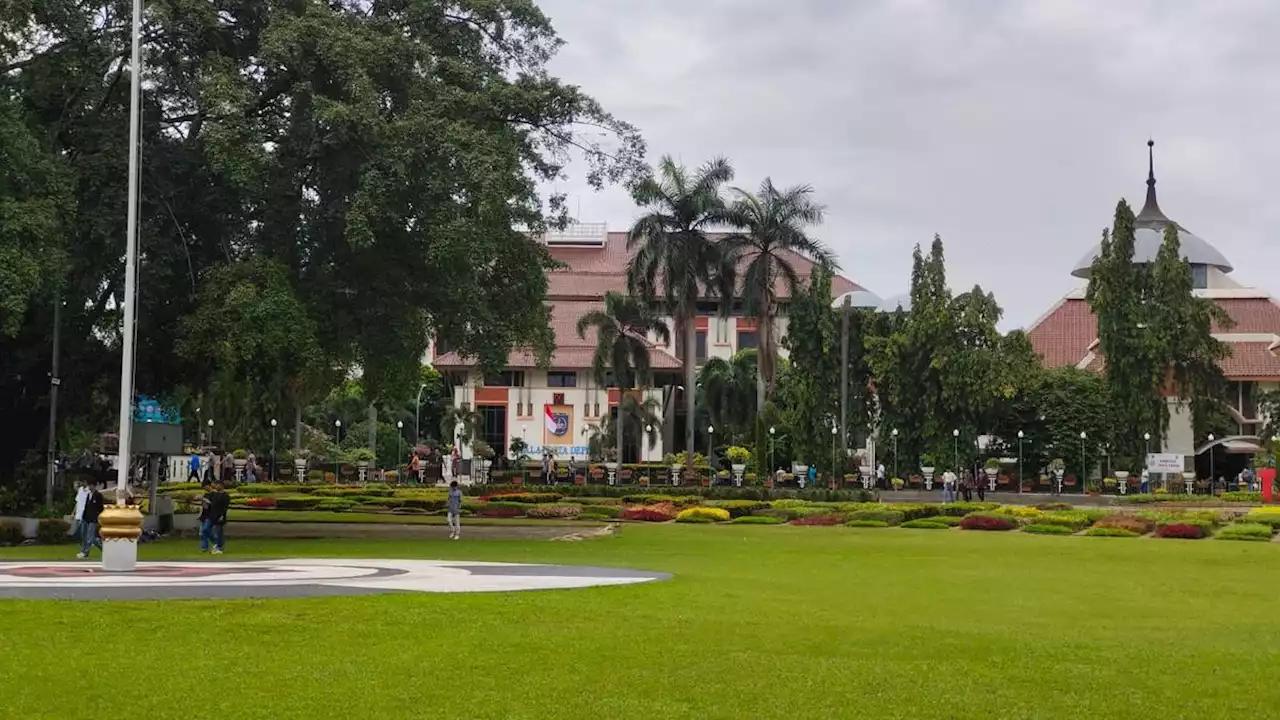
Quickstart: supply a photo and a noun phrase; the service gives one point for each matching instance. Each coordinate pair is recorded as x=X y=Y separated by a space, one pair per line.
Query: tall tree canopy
x=383 y=157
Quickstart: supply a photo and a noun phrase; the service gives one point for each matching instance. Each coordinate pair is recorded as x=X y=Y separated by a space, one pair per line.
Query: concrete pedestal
x=119 y=555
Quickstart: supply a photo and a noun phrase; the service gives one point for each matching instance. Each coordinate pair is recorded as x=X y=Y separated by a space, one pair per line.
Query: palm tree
x=674 y=260
x=771 y=232
x=622 y=344
x=727 y=392
x=645 y=413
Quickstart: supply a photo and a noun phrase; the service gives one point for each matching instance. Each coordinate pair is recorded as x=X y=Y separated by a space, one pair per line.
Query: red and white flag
x=550 y=420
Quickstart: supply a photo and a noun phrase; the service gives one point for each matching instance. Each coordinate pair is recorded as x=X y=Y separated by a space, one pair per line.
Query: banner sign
x=1166 y=463
x=557 y=425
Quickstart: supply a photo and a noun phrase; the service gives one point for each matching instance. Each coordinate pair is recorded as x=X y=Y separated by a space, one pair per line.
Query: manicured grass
x=759 y=622
x=321 y=516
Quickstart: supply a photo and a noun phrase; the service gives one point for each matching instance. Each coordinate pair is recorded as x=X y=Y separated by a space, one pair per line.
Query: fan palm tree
x=622 y=329
x=727 y=392
x=674 y=260
x=771 y=232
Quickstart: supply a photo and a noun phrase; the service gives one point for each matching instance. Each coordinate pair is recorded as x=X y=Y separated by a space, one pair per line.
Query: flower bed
x=1264 y=516
x=1111 y=532
x=708 y=514
x=756 y=520
x=960 y=509
x=1255 y=532
x=739 y=508
x=925 y=524
x=1043 y=529
x=827 y=519
x=1181 y=531
x=1129 y=523
x=546 y=511
x=888 y=517
x=988 y=521
x=650 y=513
x=867 y=523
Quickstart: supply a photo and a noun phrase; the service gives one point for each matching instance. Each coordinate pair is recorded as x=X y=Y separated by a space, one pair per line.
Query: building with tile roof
x=553 y=408
x=1067 y=335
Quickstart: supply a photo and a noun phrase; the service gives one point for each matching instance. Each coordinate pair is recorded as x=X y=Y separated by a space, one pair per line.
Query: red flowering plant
x=988 y=521
x=499 y=511
x=260 y=503
x=1183 y=531
x=661 y=512
x=820 y=520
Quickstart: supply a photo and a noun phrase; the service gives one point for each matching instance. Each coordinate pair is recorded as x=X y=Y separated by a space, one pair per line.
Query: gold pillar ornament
x=120 y=522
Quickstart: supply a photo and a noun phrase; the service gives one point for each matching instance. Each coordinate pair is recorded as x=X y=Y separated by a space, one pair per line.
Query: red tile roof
x=1064 y=336
x=572 y=352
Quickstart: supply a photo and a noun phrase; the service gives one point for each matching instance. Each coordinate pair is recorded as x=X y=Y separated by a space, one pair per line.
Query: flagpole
x=122 y=526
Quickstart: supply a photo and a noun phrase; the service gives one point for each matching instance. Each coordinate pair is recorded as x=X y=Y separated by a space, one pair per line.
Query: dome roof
x=1148 y=234
x=897 y=302
x=859 y=299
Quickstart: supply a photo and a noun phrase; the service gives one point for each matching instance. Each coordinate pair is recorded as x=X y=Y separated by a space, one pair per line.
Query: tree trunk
x=373 y=428
x=690 y=386
x=297 y=424
x=622 y=396
x=764 y=359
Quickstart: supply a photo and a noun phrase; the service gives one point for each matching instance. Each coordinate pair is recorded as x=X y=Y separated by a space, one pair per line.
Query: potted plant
x=992 y=468
x=239 y=459
x=927 y=466
x=897 y=483
x=738 y=459
x=361 y=458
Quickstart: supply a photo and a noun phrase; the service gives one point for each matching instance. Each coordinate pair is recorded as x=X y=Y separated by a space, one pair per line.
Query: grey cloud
x=1010 y=127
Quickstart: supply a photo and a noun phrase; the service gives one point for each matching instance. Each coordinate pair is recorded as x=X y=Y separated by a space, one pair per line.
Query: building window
x=747 y=339
x=700 y=346
x=506 y=378
x=443 y=345
x=557 y=378
x=493 y=427
x=1199 y=276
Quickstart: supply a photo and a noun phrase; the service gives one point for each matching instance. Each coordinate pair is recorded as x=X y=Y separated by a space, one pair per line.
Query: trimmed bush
x=925 y=524
x=297 y=502
x=888 y=517
x=1110 y=532
x=11 y=533
x=867 y=523
x=739 y=508
x=1205 y=519
x=914 y=511
x=1264 y=516
x=756 y=520
x=1041 y=529
x=1023 y=513
x=547 y=512
x=1246 y=531
x=711 y=514
x=1181 y=531
x=988 y=521
x=960 y=509
x=335 y=505
x=1130 y=523
x=1055 y=506
x=258 y=503
x=654 y=499
x=650 y=513
x=607 y=511
x=530 y=498
x=826 y=520
x=594 y=516
x=51 y=531
x=701 y=519
x=1070 y=519
x=947 y=520
x=1241 y=497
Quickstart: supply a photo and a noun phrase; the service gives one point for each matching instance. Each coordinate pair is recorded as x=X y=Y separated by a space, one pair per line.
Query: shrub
x=499 y=511
x=888 y=517
x=1042 y=529
x=738 y=454
x=1071 y=519
x=1182 y=531
x=1132 y=523
x=532 y=498
x=1206 y=519
x=1241 y=497
x=1026 y=513
x=424 y=503
x=650 y=513
x=605 y=511
x=594 y=516
x=739 y=508
x=296 y=502
x=694 y=519
x=960 y=509
x=1264 y=516
x=11 y=533
x=260 y=503
x=988 y=521
x=1055 y=506
x=925 y=524
x=789 y=503
x=545 y=511
x=647 y=499
x=1246 y=531
x=948 y=520
x=756 y=520
x=712 y=514
x=914 y=511
x=1110 y=532
x=335 y=505
x=825 y=519
x=867 y=523
x=51 y=531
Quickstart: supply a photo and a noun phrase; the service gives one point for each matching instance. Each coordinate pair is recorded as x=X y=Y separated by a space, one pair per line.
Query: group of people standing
x=969 y=483
x=220 y=467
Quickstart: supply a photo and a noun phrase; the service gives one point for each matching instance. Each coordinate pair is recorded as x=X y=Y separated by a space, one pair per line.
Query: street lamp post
x=1084 y=473
x=834 y=458
x=1021 y=435
x=337 y=461
x=417 y=415
x=1146 y=462
x=273 y=449
x=711 y=444
x=199 y=430
x=1211 y=477
x=210 y=424
x=399 y=443
x=772 y=431
x=894 y=434
x=955 y=441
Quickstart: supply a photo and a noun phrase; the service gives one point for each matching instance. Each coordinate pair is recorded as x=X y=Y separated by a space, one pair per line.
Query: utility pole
x=844 y=387
x=54 y=382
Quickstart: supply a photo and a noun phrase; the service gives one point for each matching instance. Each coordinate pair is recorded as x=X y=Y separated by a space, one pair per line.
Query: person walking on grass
x=213 y=518
x=93 y=506
x=454 y=510
x=82 y=498
x=948 y=487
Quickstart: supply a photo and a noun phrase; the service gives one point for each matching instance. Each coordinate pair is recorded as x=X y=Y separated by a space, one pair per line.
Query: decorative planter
x=1057 y=478
x=1189 y=481
x=612 y=468
x=864 y=473
x=738 y=470
x=675 y=474
x=1122 y=480
x=928 y=476
x=991 y=477
x=239 y=464
x=300 y=467
x=362 y=469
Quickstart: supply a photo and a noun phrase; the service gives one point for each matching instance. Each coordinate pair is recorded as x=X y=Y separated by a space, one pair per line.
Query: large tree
x=622 y=331
x=771 y=235
x=385 y=156
x=811 y=397
x=676 y=262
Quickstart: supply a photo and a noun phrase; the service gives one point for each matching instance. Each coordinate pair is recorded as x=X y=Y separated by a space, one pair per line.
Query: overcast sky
x=1010 y=128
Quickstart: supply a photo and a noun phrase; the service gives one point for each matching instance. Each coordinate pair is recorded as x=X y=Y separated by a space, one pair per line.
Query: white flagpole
x=131 y=259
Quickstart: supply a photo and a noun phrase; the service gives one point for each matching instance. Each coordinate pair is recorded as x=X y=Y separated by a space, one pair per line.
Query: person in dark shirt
x=219 y=504
x=93 y=507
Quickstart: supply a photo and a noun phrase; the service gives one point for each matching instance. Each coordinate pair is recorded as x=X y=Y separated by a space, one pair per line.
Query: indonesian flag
x=549 y=419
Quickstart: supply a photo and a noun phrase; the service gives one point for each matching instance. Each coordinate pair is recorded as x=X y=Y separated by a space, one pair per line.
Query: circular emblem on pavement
x=302 y=577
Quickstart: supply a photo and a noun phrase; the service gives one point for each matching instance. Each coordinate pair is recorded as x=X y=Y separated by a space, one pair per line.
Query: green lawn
x=759 y=622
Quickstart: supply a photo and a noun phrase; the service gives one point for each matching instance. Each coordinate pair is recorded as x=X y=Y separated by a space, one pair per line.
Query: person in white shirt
x=880 y=475
x=948 y=487
x=82 y=497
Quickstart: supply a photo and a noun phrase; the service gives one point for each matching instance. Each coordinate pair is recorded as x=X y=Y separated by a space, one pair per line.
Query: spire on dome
x=1151 y=214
